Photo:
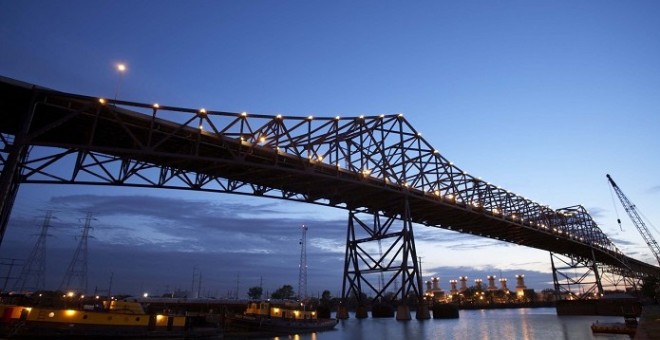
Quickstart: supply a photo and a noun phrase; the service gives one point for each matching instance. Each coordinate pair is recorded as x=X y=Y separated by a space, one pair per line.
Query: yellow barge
x=113 y=319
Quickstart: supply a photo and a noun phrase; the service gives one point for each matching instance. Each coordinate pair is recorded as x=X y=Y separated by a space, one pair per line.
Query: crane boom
x=637 y=220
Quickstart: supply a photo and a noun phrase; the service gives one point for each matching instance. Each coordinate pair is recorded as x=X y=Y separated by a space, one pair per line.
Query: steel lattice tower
x=33 y=274
x=78 y=267
x=302 y=274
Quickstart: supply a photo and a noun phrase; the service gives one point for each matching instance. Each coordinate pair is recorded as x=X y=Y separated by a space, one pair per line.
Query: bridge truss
x=366 y=164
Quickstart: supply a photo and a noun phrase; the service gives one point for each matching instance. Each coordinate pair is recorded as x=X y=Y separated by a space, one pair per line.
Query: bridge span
x=375 y=165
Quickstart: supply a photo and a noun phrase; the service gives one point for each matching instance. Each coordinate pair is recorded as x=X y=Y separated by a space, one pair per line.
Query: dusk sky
x=542 y=98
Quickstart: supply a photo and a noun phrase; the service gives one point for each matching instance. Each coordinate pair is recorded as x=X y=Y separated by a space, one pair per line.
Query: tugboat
x=110 y=319
x=280 y=317
x=629 y=326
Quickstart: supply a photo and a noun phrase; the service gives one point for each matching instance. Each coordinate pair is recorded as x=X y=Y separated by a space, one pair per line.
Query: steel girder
x=369 y=269
x=364 y=162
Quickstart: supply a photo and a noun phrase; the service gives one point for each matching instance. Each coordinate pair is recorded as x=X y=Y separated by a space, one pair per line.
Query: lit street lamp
x=121 y=68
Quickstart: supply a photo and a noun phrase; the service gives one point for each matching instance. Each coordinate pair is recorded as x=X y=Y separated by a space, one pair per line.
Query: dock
x=649 y=323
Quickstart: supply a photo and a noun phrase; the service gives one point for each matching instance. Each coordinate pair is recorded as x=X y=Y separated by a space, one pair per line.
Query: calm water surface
x=532 y=323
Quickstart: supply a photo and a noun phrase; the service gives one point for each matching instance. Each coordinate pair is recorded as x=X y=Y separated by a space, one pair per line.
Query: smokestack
x=520 y=286
x=491 y=283
x=428 y=286
x=463 y=280
x=453 y=286
x=503 y=284
x=520 y=282
x=436 y=282
x=477 y=282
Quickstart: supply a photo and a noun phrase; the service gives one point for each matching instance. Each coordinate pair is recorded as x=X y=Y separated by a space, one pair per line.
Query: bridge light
x=278 y=116
x=337 y=118
x=310 y=117
x=243 y=114
x=156 y=106
x=400 y=115
x=419 y=134
x=366 y=172
x=361 y=117
x=121 y=67
x=495 y=211
x=436 y=151
x=437 y=192
x=449 y=197
x=102 y=101
x=262 y=138
x=381 y=116
x=201 y=127
x=202 y=111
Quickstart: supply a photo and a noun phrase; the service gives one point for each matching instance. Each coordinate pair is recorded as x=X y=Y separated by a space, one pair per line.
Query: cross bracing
x=365 y=163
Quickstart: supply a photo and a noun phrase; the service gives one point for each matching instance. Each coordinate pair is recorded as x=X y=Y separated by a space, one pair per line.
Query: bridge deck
x=71 y=121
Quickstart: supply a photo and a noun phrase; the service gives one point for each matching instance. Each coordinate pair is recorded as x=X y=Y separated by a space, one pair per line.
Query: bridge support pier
x=391 y=273
x=10 y=178
x=575 y=277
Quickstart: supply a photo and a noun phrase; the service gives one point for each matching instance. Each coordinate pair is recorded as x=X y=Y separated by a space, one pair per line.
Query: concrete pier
x=361 y=312
x=649 y=323
x=342 y=312
x=423 y=312
x=403 y=313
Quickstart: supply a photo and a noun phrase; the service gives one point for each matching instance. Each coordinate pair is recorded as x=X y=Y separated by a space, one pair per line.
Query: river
x=493 y=324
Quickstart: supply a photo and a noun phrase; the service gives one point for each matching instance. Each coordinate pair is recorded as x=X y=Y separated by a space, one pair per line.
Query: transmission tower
x=302 y=274
x=77 y=270
x=33 y=273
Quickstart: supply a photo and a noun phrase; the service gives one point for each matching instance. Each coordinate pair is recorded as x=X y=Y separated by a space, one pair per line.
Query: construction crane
x=637 y=220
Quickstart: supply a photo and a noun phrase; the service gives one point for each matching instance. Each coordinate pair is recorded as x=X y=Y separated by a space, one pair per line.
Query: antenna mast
x=302 y=274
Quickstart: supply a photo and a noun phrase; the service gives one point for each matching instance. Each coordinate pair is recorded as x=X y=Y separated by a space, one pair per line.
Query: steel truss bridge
x=378 y=168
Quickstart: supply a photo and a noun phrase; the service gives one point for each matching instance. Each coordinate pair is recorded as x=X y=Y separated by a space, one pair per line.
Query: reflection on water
x=524 y=324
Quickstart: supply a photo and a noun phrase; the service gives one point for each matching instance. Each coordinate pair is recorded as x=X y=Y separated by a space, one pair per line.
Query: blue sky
x=540 y=98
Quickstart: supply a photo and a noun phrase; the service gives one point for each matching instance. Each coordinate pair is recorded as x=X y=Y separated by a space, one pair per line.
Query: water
x=494 y=324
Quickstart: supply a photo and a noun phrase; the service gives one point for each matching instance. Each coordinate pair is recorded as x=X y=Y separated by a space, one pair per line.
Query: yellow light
x=202 y=111
x=262 y=139
x=156 y=105
x=159 y=317
x=51 y=314
x=121 y=67
x=70 y=312
x=70 y=294
x=276 y=310
x=101 y=100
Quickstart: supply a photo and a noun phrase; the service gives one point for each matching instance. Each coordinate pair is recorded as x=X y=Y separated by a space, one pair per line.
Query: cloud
x=654 y=189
